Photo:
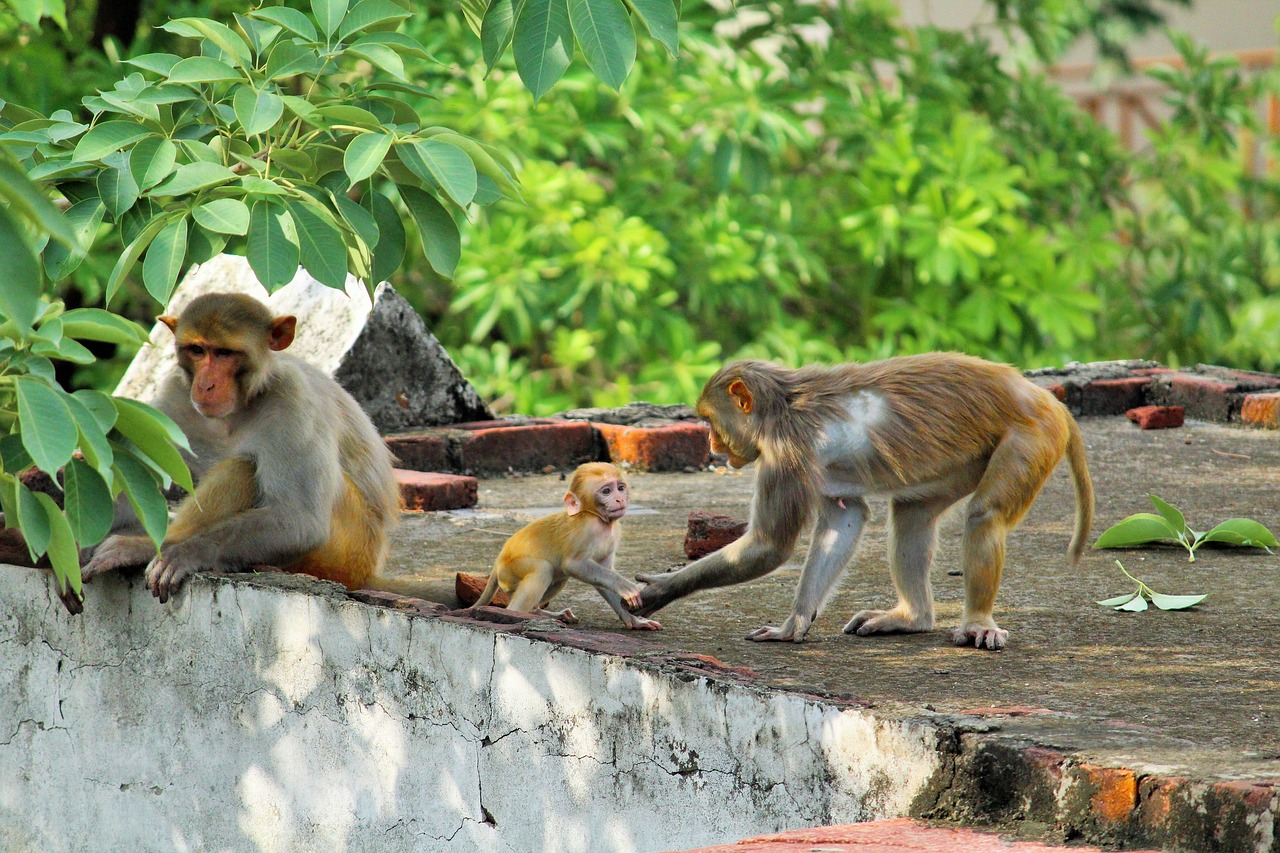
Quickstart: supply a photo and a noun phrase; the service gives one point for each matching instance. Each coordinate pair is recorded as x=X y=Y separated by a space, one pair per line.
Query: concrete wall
x=274 y=713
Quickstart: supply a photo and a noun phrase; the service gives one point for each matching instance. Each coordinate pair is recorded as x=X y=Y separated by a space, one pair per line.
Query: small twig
x=1232 y=455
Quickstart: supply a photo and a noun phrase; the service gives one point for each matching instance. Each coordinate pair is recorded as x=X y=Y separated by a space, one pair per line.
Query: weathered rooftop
x=1139 y=703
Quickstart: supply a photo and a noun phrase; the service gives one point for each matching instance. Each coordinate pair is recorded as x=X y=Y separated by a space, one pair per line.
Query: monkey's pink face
x=611 y=499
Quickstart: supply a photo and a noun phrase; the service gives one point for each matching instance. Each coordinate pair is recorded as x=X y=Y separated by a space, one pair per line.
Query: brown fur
x=945 y=425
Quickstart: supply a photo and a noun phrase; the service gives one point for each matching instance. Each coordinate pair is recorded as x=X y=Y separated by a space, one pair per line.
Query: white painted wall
x=275 y=714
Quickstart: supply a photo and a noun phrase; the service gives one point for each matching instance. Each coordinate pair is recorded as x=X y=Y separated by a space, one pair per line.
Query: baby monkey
x=577 y=543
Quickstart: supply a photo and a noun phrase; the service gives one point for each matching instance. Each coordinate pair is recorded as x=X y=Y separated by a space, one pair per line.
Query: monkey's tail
x=1084 y=490
x=490 y=589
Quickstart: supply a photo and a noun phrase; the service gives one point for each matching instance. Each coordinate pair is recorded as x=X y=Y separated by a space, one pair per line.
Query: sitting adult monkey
x=290 y=470
x=924 y=430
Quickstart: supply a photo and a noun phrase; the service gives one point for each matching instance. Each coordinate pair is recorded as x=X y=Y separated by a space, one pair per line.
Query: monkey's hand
x=166 y=573
x=794 y=630
x=116 y=552
x=658 y=591
x=629 y=593
x=990 y=636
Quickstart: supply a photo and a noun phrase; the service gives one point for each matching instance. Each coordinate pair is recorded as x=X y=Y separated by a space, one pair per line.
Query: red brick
x=1058 y=390
x=428 y=452
x=526 y=447
x=377 y=597
x=1207 y=399
x=468 y=588
x=1113 y=396
x=1261 y=410
x=433 y=492
x=1008 y=711
x=1156 y=803
x=709 y=532
x=1156 y=417
x=898 y=835
x=673 y=447
x=1115 y=795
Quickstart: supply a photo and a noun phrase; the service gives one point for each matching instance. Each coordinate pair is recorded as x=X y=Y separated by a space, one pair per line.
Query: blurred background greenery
x=803 y=183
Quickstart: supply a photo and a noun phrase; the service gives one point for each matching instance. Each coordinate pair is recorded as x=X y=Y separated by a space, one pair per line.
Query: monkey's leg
x=535 y=580
x=228 y=489
x=912 y=541
x=566 y=616
x=1018 y=468
x=118 y=551
x=835 y=535
x=603 y=577
x=632 y=621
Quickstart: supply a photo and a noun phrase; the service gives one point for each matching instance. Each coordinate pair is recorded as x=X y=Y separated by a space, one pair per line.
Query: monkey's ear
x=741 y=395
x=282 y=330
x=571 y=505
x=171 y=322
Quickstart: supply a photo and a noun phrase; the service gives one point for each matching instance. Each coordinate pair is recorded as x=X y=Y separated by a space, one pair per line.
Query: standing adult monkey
x=290 y=470
x=924 y=430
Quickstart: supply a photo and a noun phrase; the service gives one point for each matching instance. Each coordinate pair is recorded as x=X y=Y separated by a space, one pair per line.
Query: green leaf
x=484 y=162
x=369 y=13
x=389 y=253
x=191 y=177
x=99 y=405
x=436 y=229
x=221 y=35
x=143 y=493
x=155 y=435
x=329 y=14
x=497 y=30
x=365 y=154
x=379 y=55
x=1175 y=602
x=118 y=191
x=204 y=245
x=1242 y=531
x=203 y=69
x=64 y=349
x=63 y=553
x=660 y=18
x=273 y=256
x=14 y=458
x=20 y=295
x=1118 y=600
x=107 y=138
x=85 y=218
x=1137 y=529
x=1136 y=605
x=152 y=160
x=290 y=58
x=88 y=503
x=158 y=63
x=93 y=438
x=291 y=19
x=33 y=522
x=95 y=324
x=131 y=253
x=163 y=263
x=443 y=165
x=1170 y=514
x=604 y=31
x=25 y=197
x=321 y=248
x=543 y=44
x=224 y=216
x=258 y=111
x=48 y=429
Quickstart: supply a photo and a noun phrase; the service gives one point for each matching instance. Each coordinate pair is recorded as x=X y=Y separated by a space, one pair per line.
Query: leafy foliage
x=1170 y=525
x=1136 y=601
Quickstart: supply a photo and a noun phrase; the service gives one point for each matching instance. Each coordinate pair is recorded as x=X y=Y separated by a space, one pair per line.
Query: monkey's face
x=214 y=372
x=729 y=428
x=611 y=498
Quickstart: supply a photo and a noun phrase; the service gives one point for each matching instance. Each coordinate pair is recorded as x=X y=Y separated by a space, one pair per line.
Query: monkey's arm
x=603 y=578
x=752 y=556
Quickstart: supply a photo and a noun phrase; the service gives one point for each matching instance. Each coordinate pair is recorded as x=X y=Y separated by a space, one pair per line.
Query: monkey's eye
x=622 y=487
x=223 y=352
x=606 y=491
x=194 y=351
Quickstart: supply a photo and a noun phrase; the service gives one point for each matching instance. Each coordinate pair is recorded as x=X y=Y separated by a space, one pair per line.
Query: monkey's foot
x=794 y=630
x=73 y=602
x=566 y=616
x=986 y=635
x=116 y=552
x=639 y=623
x=868 y=622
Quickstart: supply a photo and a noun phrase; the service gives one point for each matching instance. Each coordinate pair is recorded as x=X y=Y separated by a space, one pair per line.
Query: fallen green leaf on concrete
x=1136 y=601
x=1144 y=527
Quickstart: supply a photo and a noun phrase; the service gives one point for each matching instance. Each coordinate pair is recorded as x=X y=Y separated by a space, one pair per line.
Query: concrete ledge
x=673 y=447
x=433 y=492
